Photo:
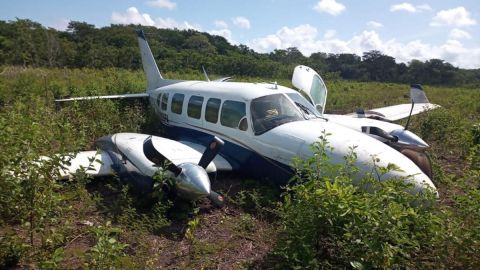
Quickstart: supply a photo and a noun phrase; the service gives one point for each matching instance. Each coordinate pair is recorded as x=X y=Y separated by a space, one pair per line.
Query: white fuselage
x=194 y=117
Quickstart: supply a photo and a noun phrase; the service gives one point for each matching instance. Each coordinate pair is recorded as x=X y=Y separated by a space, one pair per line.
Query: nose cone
x=193 y=182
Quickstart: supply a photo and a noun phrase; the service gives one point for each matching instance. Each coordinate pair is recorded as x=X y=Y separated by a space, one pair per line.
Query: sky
x=424 y=29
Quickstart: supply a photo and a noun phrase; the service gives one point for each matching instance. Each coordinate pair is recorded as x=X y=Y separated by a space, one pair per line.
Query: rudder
x=154 y=78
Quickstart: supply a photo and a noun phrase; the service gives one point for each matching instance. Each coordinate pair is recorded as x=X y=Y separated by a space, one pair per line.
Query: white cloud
x=241 y=22
x=459 y=34
x=162 y=4
x=403 y=7
x=133 y=16
x=222 y=30
x=329 y=34
x=425 y=7
x=267 y=44
x=220 y=24
x=226 y=33
x=305 y=38
x=374 y=24
x=331 y=7
x=410 y=8
x=458 y=17
x=60 y=24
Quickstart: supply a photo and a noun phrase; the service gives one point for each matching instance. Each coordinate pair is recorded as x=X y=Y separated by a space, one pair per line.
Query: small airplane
x=255 y=128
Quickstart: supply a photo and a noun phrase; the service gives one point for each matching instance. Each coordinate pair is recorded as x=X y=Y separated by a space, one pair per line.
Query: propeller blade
x=157 y=158
x=210 y=153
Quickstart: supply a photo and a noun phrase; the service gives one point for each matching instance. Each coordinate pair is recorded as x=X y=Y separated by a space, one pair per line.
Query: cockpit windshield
x=306 y=107
x=272 y=111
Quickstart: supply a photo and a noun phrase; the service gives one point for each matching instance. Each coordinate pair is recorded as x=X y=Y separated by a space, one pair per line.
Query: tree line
x=27 y=43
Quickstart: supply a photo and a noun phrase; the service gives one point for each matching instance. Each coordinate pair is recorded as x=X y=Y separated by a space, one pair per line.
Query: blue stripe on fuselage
x=240 y=158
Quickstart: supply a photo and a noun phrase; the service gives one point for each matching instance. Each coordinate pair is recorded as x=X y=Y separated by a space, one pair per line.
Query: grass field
x=99 y=224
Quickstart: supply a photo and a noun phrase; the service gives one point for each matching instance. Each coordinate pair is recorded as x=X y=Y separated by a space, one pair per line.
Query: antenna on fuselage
x=410 y=115
x=275 y=85
x=205 y=74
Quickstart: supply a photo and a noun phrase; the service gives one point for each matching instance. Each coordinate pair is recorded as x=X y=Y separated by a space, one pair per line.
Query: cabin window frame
x=235 y=122
x=159 y=99
x=177 y=103
x=212 y=110
x=164 y=102
x=194 y=106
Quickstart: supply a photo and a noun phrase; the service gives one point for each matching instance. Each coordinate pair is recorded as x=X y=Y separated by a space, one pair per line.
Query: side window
x=177 y=103
x=164 y=101
x=212 y=109
x=194 y=109
x=158 y=99
x=232 y=113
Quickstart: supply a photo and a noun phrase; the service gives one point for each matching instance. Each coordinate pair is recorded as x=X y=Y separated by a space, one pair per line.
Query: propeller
x=191 y=180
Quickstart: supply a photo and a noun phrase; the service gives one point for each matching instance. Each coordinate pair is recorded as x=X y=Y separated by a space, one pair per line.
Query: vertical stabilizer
x=154 y=78
x=417 y=94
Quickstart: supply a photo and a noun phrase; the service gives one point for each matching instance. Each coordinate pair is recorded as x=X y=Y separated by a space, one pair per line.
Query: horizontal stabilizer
x=124 y=96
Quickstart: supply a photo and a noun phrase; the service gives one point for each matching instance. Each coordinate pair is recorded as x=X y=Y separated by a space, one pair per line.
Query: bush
x=327 y=222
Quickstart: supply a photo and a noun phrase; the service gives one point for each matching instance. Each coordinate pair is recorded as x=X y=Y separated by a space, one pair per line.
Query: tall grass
x=325 y=225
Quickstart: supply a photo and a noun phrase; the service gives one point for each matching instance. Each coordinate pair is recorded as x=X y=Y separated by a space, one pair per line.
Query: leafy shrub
x=328 y=222
x=11 y=250
x=107 y=253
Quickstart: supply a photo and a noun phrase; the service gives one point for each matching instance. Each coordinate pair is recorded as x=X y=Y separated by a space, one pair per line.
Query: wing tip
x=417 y=86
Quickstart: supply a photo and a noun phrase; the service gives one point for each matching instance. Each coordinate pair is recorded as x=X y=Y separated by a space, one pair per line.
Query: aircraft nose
x=421 y=181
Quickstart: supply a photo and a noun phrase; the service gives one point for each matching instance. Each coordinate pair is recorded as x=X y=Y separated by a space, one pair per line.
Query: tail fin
x=417 y=94
x=154 y=78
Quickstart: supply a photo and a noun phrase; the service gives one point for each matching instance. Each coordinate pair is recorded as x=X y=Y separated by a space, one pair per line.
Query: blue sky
x=404 y=29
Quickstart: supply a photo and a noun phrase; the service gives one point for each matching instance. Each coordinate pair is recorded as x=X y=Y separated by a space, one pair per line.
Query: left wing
x=397 y=112
x=124 y=96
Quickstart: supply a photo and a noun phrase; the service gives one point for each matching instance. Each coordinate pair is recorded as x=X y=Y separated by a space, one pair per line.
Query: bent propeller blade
x=210 y=152
x=157 y=158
